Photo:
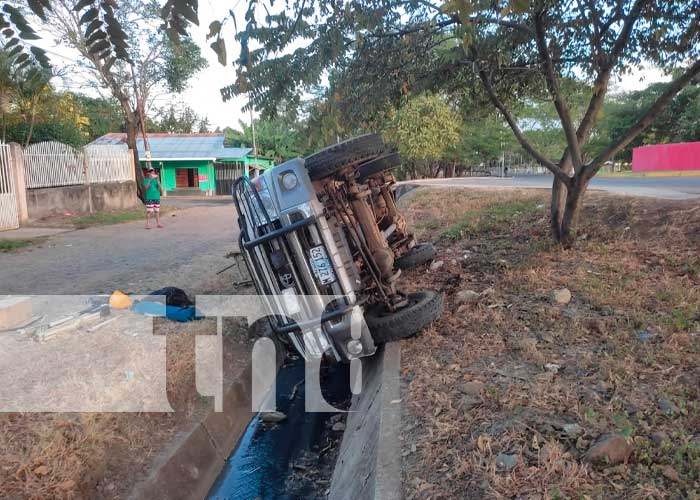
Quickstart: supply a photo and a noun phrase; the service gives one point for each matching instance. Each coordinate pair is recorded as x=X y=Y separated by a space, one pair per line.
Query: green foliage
x=179 y=62
x=104 y=37
x=177 y=119
x=64 y=131
x=494 y=215
x=32 y=111
x=7 y=245
x=424 y=128
x=109 y=218
x=16 y=31
x=679 y=122
x=275 y=138
x=100 y=116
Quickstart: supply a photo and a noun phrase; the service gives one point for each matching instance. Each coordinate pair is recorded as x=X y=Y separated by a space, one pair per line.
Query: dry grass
x=635 y=270
x=102 y=455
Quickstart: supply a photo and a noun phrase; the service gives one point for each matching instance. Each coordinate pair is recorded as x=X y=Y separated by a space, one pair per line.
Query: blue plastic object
x=174 y=313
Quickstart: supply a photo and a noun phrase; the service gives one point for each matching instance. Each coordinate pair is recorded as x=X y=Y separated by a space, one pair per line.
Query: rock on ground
x=436 y=265
x=561 y=296
x=506 y=462
x=467 y=297
x=473 y=388
x=610 y=449
x=273 y=417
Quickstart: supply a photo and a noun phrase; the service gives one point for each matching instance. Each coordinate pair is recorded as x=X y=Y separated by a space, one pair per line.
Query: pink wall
x=681 y=156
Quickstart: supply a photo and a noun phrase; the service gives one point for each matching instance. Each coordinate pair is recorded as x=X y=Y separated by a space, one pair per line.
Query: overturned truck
x=325 y=244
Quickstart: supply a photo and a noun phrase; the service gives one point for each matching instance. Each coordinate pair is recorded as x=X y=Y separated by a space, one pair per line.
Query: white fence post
x=9 y=204
x=17 y=167
x=88 y=180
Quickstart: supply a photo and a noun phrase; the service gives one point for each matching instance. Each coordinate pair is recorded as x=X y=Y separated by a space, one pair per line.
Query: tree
x=204 y=127
x=508 y=45
x=148 y=63
x=423 y=130
x=7 y=91
x=174 y=119
x=679 y=122
x=275 y=138
x=32 y=89
x=101 y=116
x=599 y=39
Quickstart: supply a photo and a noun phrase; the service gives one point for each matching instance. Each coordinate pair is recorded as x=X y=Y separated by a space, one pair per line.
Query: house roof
x=179 y=146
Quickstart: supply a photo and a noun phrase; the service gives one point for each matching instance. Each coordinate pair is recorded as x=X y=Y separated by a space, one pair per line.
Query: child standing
x=152 y=188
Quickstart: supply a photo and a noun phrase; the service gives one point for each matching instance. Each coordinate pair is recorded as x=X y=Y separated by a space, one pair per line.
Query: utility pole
x=255 y=147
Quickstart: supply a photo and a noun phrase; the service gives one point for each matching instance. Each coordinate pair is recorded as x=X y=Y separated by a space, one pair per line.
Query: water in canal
x=291 y=460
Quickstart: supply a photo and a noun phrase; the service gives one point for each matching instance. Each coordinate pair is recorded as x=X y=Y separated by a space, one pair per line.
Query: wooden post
x=17 y=168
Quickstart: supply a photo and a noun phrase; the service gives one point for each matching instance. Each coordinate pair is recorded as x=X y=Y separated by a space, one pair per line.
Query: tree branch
x=512 y=122
x=502 y=22
x=664 y=99
x=416 y=29
x=559 y=102
x=600 y=86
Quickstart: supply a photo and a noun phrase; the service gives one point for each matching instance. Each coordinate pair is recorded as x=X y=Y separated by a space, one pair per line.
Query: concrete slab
x=28 y=233
x=369 y=462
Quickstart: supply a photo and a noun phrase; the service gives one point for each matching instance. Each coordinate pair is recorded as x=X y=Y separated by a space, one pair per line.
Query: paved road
x=126 y=256
x=669 y=188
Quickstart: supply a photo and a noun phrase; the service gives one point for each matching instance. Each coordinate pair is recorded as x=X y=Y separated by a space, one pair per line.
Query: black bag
x=174 y=296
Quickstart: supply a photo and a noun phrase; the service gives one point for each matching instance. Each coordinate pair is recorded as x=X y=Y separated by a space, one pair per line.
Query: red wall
x=681 y=156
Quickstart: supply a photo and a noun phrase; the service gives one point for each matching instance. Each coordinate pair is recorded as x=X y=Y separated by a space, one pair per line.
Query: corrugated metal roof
x=180 y=146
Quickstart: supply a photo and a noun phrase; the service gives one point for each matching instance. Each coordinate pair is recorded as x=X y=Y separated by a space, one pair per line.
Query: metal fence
x=108 y=164
x=9 y=214
x=53 y=164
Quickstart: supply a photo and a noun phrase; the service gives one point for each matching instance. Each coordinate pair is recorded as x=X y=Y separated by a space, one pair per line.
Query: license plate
x=321 y=265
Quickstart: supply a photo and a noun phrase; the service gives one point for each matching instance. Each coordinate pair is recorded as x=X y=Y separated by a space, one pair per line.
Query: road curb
x=651 y=173
x=369 y=461
x=188 y=468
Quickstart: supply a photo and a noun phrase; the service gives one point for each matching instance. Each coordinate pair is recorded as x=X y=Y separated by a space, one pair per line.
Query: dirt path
x=125 y=256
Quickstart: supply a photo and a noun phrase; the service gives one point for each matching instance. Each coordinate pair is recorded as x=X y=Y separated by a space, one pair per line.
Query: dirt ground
x=103 y=455
x=520 y=391
x=125 y=256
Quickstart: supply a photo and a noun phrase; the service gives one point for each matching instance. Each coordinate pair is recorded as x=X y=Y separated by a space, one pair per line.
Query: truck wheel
x=330 y=160
x=387 y=326
x=381 y=164
x=416 y=256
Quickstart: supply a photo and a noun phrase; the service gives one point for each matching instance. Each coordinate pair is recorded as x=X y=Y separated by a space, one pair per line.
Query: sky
x=203 y=93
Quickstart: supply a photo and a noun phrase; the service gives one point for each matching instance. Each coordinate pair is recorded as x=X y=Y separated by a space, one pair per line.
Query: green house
x=192 y=163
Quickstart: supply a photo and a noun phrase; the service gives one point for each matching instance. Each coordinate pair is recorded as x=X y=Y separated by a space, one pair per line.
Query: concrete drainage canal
x=348 y=455
x=294 y=458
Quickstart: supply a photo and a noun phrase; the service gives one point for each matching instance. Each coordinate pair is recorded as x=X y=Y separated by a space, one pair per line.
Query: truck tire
x=381 y=164
x=420 y=254
x=386 y=326
x=330 y=160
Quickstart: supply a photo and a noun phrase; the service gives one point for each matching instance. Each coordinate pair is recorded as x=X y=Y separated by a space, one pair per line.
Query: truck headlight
x=289 y=181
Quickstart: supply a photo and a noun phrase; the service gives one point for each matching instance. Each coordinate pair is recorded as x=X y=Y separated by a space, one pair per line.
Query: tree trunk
x=32 y=119
x=558 y=202
x=572 y=208
x=131 y=131
x=450 y=171
x=556 y=208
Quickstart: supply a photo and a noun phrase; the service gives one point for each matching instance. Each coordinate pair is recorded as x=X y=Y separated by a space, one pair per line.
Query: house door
x=186 y=178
